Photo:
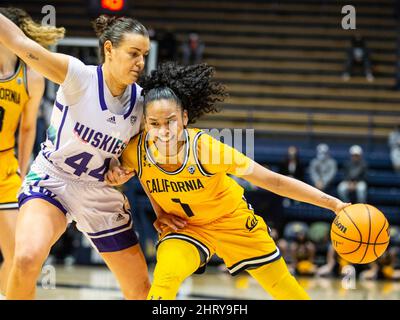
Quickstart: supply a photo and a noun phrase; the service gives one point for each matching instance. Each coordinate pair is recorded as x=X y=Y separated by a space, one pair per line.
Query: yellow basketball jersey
x=191 y=191
x=13 y=97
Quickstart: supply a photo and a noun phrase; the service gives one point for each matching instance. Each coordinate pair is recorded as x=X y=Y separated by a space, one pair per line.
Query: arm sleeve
x=76 y=81
x=215 y=157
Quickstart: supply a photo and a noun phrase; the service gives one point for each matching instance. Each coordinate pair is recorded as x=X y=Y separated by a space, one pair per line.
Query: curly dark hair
x=192 y=87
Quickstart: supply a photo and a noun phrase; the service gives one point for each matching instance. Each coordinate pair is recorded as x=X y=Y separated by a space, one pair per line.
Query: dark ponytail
x=113 y=28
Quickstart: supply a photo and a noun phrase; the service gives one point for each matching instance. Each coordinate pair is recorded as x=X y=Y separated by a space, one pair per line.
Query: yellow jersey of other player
x=13 y=97
x=199 y=190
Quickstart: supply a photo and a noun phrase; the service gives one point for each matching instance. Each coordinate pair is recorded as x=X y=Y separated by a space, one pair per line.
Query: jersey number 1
x=184 y=206
x=2 y=113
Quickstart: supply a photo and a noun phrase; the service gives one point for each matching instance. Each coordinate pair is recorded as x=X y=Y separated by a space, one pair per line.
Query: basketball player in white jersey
x=96 y=112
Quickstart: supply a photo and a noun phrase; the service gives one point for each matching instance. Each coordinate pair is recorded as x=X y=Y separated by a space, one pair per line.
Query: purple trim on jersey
x=23 y=198
x=38 y=181
x=60 y=128
x=101 y=93
x=110 y=230
x=116 y=242
x=133 y=101
x=58 y=105
x=47 y=155
x=101 y=88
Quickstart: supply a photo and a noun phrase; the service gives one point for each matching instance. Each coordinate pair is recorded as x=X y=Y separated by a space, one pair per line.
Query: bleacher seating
x=282 y=63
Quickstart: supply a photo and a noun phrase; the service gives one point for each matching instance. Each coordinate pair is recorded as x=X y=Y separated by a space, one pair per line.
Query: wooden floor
x=97 y=283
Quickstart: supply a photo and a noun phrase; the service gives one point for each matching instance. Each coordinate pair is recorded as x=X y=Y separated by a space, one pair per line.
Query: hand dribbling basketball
x=360 y=233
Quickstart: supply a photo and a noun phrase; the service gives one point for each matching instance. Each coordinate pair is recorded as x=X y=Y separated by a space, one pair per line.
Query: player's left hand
x=118 y=175
x=165 y=220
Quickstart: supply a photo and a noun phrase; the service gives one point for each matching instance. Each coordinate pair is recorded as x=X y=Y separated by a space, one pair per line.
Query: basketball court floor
x=97 y=283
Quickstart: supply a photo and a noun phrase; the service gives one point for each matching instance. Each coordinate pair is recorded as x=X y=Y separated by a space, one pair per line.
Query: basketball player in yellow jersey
x=21 y=91
x=185 y=174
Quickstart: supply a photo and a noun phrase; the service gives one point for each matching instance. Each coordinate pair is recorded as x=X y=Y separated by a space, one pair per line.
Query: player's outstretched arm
x=53 y=66
x=291 y=188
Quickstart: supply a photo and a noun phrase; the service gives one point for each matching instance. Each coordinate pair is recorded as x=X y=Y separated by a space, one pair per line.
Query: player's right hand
x=118 y=175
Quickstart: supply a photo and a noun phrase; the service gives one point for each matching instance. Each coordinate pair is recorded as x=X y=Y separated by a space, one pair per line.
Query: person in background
x=394 y=144
x=167 y=49
x=192 y=50
x=281 y=242
x=292 y=167
x=355 y=172
x=384 y=267
x=334 y=264
x=302 y=251
x=323 y=168
x=358 y=55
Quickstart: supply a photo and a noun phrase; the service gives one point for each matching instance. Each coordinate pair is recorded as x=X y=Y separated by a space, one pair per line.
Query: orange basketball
x=360 y=233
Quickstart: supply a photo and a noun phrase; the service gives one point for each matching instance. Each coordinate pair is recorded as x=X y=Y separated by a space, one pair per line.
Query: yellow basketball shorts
x=10 y=181
x=241 y=239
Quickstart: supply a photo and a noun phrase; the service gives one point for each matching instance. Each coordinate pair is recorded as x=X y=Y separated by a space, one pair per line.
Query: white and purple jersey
x=89 y=127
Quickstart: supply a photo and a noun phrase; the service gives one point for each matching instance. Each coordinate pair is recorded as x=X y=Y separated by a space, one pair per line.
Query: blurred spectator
x=323 y=168
x=152 y=34
x=394 y=144
x=354 y=177
x=319 y=234
x=167 y=46
x=292 y=166
x=280 y=242
x=303 y=253
x=192 y=49
x=358 y=55
x=334 y=264
x=384 y=267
